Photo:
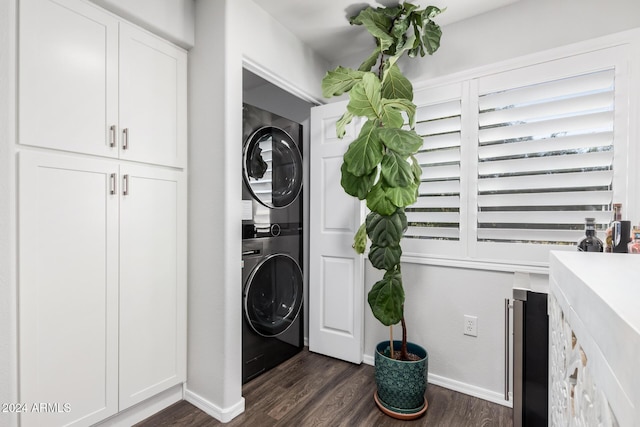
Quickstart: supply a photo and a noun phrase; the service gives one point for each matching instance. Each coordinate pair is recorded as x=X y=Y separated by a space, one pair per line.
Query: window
x=513 y=162
x=435 y=219
x=545 y=159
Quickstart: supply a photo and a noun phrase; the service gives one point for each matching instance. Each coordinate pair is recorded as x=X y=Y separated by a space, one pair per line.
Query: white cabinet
x=68 y=294
x=102 y=284
x=68 y=82
x=92 y=84
x=152 y=98
x=152 y=282
x=102 y=213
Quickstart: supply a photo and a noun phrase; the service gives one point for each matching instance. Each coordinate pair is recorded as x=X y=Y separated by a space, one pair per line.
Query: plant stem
x=404 y=353
x=391 y=340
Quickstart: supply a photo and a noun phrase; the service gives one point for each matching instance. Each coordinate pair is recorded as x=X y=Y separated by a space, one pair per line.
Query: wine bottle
x=590 y=243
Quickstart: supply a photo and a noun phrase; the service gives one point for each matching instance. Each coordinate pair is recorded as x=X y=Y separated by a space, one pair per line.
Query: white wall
x=274 y=53
x=171 y=19
x=524 y=27
x=8 y=367
x=228 y=34
x=215 y=95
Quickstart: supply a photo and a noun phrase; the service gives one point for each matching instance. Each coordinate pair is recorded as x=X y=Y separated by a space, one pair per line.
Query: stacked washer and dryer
x=272 y=243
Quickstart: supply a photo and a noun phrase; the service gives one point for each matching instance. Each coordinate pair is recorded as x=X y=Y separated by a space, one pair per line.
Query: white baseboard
x=145 y=409
x=471 y=390
x=224 y=415
x=459 y=386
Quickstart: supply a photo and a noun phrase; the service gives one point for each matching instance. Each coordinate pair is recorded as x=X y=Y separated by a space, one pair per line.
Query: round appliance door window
x=272 y=166
x=273 y=295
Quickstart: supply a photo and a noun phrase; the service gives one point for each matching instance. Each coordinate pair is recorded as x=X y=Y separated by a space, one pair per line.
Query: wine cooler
x=530 y=358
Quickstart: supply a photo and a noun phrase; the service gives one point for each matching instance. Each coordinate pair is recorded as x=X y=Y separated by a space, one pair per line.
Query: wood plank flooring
x=314 y=390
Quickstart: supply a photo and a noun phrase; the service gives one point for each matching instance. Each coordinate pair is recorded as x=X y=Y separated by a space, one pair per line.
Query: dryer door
x=272 y=167
x=273 y=295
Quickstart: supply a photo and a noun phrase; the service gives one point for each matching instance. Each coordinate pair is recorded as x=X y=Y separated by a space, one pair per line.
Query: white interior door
x=336 y=271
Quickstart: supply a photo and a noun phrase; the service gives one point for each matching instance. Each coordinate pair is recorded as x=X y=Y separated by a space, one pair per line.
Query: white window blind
x=545 y=159
x=436 y=214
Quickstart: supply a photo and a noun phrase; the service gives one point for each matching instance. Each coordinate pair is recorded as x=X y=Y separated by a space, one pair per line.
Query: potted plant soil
x=379 y=167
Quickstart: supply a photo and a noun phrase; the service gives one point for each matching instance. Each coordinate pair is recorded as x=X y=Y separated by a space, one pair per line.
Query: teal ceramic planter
x=401 y=385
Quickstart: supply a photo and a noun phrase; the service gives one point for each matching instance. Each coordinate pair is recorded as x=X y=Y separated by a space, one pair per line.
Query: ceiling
x=323 y=24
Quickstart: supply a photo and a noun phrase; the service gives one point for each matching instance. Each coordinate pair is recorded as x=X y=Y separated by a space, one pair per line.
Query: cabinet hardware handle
x=125 y=184
x=112 y=183
x=112 y=136
x=125 y=138
x=506 y=349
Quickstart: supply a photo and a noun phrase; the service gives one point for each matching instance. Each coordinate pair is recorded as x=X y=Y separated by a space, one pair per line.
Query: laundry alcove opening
x=282 y=128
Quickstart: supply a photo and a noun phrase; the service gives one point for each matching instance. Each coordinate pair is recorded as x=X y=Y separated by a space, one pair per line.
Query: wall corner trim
x=224 y=415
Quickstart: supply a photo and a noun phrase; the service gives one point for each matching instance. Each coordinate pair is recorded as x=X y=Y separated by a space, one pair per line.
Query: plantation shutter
x=434 y=221
x=545 y=159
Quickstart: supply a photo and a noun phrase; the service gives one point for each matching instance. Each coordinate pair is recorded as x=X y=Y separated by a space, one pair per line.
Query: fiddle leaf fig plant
x=380 y=165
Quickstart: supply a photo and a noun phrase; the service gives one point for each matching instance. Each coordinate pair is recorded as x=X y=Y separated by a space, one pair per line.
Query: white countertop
x=600 y=296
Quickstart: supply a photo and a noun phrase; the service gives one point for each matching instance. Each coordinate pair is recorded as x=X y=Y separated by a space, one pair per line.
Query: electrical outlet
x=470 y=325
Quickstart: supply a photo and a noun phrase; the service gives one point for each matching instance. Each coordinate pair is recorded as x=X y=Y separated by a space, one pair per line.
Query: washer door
x=272 y=167
x=273 y=295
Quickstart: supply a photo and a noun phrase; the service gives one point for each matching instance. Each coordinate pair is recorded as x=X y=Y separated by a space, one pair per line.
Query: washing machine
x=272 y=302
x=272 y=174
x=272 y=241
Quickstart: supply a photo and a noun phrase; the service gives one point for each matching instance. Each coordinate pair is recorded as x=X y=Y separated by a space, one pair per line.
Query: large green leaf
x=402 y=196
x=395 y=170
x=339 y=81
x=377 y=22
x=417 y=48
x=404 y=142
x=432 y=11
x=390 y=115
x=364 y=98
x=366 y=151
x=377 y=200
x=386 y=230
x=431 y=37
x=386 y=299
x=360 y=239
x=342 y=123
x=384 y=258
x=401 y=105
x=357 y=186
x=371 y=61
x=400 y=27
x=409 y=7
x=396 y=85
x=416 y=168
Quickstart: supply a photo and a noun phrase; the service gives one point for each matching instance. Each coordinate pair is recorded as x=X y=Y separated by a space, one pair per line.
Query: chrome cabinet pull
x=125 y=138
x=112 y=136
x=125 y=184
x=112 y=184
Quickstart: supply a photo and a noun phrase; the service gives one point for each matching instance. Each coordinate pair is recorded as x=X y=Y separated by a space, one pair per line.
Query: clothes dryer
x=272 y=302
x=272 y=174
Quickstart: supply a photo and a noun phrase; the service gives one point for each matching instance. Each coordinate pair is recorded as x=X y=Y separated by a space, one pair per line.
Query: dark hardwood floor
x=315 y=390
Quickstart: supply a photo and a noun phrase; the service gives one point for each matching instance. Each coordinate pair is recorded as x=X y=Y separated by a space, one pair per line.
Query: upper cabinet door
x=68 y=76
x=152 y=99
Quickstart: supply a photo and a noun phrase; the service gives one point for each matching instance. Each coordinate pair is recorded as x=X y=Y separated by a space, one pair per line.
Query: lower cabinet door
x=152 y=282
x=68 y=290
